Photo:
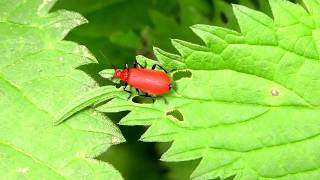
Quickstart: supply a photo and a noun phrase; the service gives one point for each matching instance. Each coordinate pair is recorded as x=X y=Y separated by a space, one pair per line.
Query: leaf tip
x=117 y=140
x=164 y=157
x=175 y=41
x=196 y=27
x=200 y=28
x=123 y=122
x=156 y=49
x=236 y=6
x=239 y=9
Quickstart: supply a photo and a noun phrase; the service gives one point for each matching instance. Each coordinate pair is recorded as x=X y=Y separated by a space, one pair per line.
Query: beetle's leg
x=138 y=91
x=136 y=64
x=124 y=88
x=155 y=65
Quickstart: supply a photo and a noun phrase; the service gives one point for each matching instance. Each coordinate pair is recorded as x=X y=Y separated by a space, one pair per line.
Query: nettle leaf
x=118 y=40
x=246 y=102
x=38 y=79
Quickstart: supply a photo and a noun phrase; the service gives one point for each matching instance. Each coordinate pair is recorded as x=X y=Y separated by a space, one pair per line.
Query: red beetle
x=150 y=81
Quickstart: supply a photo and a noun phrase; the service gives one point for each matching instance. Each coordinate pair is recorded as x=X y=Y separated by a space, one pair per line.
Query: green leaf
x=247 y=103
x=96 y=95
x=38 y=79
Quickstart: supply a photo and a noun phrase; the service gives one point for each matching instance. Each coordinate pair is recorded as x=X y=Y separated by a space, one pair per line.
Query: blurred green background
x=117 y=31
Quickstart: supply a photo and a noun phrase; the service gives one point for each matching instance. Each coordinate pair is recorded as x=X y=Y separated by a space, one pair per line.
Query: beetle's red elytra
x=150 y=81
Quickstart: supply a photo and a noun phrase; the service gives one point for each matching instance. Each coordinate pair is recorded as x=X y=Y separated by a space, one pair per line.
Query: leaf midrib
x=22 y=96
x=240 y=103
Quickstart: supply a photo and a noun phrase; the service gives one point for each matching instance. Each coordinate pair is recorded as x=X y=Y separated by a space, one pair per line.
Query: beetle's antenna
x=114 y=67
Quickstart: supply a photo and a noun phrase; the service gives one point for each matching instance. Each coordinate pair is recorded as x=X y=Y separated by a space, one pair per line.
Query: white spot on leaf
x=274 y=92
x=23 y=170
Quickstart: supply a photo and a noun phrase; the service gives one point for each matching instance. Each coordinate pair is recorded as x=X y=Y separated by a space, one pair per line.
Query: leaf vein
x=33 y=158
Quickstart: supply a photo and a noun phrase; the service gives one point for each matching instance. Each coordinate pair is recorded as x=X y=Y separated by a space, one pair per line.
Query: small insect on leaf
x=150 y=81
